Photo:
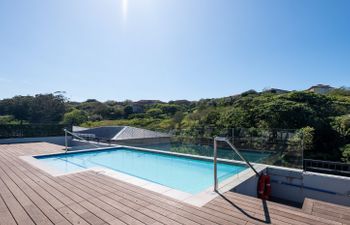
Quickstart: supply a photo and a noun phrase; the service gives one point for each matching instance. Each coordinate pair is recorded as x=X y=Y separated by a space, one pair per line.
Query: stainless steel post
x=233 y=136
x=302 y=151
x=65 y=139
x=215 y=165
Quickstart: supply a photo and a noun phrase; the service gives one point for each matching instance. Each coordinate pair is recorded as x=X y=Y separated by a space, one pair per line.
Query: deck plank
x=42 y=211
x=90 y=216
x=5 y=215
x=55 y=202
x=286 y=211
x=31 y=208
x=171 y=205
x=15 y=208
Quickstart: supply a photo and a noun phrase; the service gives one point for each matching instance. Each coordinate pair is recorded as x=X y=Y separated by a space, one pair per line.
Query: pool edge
x=199 y=199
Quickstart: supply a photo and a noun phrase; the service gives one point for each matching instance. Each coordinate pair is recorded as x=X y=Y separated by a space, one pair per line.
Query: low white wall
x=295 y=185
x=249 y=187
x=58 y=140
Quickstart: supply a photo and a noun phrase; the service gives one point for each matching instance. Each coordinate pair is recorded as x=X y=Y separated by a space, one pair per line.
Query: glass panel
x=273 y=147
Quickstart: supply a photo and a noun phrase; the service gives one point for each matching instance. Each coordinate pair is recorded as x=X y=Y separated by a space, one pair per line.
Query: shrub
x=342 y=125
x=75 y=117
x=345 y=153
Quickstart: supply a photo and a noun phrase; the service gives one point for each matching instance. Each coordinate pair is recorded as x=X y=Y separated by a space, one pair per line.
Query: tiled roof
x=138 y=133
x=103 y=132
x=122 y=133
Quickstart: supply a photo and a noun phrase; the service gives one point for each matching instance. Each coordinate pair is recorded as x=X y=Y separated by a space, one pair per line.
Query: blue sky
x=171 y=49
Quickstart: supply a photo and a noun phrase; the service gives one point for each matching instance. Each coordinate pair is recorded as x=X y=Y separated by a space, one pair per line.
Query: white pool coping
x=198 y=199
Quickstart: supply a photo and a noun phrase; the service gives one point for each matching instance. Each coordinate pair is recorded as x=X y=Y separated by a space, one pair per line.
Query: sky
x=171 y=49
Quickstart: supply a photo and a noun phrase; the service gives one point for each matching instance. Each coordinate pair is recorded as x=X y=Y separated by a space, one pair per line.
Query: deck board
x=5 y=214
x=14 y=207
x=29 y=195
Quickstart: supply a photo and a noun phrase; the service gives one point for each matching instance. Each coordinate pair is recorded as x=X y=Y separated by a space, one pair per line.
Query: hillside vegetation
x=323 y=118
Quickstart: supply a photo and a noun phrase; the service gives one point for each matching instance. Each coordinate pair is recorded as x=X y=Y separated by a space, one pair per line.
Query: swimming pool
x=186 y=174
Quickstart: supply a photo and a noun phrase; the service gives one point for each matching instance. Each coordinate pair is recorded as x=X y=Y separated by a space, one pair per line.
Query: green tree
x=8 y=119
x=282 y=113
x=343 y=91
x=47 y=108
x=342 y=125
x=345 y=153
x=154 y=112
x=235 y=117
x=169 y=109
x=116 y=113
x=178 y=117
x=42 y=108
x=308 y=136
x=128 y=110
x=19 y=107
x=75 y=117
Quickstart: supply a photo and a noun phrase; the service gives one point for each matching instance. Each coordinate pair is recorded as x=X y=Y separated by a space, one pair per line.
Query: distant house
x=320 y=89
x=275 y=91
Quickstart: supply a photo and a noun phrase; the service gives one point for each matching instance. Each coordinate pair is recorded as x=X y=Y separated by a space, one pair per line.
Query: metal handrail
x=74 y=135
x=327 y=167
x=223 y=139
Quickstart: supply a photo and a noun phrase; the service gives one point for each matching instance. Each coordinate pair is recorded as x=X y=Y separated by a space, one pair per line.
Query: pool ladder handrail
x=74 y=135
x=224 y=139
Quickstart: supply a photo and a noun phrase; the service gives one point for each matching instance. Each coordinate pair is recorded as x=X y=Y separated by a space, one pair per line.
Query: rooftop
x=120 y=132
x=31 y=196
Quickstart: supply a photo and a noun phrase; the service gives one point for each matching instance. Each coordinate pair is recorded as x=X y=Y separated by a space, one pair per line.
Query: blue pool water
x=181 y=173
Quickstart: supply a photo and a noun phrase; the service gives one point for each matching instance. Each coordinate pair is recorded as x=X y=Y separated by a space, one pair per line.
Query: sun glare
x=125 y=9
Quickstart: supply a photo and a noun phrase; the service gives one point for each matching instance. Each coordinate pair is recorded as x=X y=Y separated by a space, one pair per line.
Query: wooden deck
x=31 y=196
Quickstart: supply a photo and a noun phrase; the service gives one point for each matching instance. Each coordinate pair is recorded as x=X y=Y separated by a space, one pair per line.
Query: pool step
x=263 y=212
x=327 y=210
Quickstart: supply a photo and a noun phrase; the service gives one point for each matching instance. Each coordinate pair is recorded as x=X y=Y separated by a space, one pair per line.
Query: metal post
x=65 y=139
x=302 y=151
x=233 y=136
x=215 y=166
x=76 y=136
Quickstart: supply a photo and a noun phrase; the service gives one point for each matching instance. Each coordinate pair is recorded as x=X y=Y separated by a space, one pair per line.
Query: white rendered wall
x=295 y=185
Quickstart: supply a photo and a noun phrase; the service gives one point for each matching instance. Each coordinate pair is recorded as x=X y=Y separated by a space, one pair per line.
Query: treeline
x=42 y=108
x=324 y=119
